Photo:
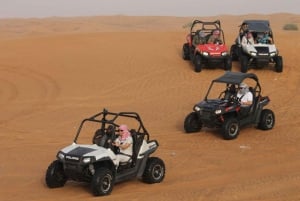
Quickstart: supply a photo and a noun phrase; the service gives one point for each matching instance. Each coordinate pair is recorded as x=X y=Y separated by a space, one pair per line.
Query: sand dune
x=57 y=71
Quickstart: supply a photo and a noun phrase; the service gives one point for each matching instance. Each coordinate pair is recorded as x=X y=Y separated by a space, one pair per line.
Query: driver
x=244 y=95
x=124 y=143
x=215 y=37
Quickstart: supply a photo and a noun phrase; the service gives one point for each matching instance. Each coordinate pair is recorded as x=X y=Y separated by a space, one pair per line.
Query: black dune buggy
x=222 y=109
x=260 y=54
x=205 y=54
x=91 y=157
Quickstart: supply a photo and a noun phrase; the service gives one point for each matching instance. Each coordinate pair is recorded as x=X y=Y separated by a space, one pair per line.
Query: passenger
x=248 y=39
x=264 y=38
x=215 y=37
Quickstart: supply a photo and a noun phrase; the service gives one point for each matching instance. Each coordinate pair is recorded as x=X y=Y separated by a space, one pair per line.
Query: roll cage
x=207 y=27
x=235 y=78
x=106 y=118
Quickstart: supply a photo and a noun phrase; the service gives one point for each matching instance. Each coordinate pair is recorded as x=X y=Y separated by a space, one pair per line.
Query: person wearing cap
x=124 y=143
x=244 y=95
x=215 y=37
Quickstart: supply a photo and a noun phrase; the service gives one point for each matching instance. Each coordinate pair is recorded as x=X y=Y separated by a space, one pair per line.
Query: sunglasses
x=121 y=130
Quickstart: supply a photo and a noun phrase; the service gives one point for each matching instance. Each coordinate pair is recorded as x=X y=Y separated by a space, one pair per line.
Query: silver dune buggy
x=91 y=157
x=258 y=55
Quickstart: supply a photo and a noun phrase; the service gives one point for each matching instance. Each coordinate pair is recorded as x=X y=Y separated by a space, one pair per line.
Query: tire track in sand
x=24 y=92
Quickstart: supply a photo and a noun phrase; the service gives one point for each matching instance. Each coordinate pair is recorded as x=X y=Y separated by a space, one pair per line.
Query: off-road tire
x=102 y=182
x=244 y=63
x=198 y=63
x=186 y=51
x=230 y=128
x=192 y=123
x=228 y=64
x=278 y=64
x=267 y=120
x=234 y=53
x=55 y=176
x=154 y=171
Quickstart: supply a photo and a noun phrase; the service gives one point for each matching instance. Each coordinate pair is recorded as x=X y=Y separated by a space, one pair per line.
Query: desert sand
x=57 y=71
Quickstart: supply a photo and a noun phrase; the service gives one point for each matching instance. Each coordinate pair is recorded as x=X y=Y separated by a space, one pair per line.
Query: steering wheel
x=233 y=99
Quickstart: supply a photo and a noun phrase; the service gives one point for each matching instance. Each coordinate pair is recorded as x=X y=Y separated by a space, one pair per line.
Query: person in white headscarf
x=244 y=95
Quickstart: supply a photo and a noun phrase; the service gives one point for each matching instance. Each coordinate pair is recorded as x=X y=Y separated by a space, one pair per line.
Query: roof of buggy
x=235 y=77
x=258 y=25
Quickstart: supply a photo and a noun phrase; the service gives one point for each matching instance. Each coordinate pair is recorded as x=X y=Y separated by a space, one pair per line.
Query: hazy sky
x=66 y=8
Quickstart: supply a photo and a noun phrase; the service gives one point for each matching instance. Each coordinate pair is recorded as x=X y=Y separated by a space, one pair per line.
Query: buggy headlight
x=272 y=54
x=86 y=160
x=197 y=108
x=253 y=54
x=205 y=54
x=89 y=159
x=61 y=156
x=224 y=54
x=218 y=111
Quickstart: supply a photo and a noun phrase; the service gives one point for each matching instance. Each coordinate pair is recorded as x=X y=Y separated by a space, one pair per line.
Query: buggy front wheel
x=192 y=123
x=267 y=120
x=278 y=64
x=228 y=64
x=55 y=176
x=186 y=51
x=234 y=53
x=244 y=64
x=102 y=182
x=198 y=63
x=154 y=171
x=230 y=129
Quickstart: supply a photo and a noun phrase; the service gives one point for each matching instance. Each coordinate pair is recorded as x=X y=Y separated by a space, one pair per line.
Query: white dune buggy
x=260 y=54
x=92 y=157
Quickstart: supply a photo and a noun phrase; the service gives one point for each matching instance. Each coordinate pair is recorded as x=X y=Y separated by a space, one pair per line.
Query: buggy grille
x=262 y=50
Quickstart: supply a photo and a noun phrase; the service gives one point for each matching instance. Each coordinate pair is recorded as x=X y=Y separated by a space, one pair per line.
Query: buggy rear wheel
x=230 y=128
x=102 y=182
x=154 y=171
x=267 y=120
x=55 y=176
x=192 y=123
